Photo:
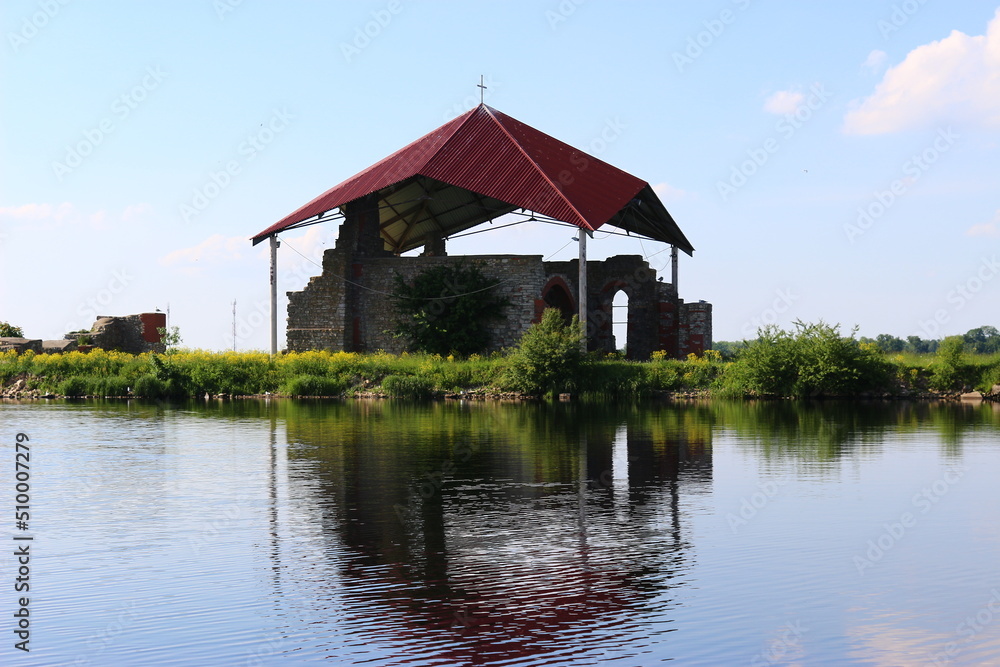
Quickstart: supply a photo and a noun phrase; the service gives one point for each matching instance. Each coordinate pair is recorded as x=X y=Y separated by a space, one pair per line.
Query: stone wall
x=128 y=333
x=519 y=279
x=349 y=306
x=20 y=345
x=695 y=330
x=357 y=314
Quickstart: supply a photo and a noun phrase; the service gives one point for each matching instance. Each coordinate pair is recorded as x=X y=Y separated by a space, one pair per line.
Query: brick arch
x=557 y=294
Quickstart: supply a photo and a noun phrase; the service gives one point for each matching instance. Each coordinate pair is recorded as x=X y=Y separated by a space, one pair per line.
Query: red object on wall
x=150 y=323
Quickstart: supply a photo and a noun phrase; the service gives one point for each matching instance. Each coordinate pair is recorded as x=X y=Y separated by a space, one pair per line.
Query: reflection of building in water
x=498 y=544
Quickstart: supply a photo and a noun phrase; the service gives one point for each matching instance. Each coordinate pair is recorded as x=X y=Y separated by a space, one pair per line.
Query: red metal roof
x=490 y=154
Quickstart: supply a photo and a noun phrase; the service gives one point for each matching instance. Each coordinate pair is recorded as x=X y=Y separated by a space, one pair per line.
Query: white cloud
x=40 y=212
x=956 y=79
x=216 y=248
x=987 y=229
x=50 y=216
x=875 y=60
x=136 y=212
x=784 y=101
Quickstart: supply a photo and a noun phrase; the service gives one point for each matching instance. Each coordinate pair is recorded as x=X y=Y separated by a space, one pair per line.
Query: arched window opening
x=619 y=320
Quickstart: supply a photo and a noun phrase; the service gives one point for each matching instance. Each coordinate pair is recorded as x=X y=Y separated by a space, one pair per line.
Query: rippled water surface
x=389 y=533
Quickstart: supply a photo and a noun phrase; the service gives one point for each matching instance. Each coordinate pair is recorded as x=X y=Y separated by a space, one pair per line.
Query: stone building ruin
x=478 y=167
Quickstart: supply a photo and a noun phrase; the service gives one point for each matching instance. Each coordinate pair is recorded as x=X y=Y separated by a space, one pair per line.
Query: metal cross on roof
x=482 y=89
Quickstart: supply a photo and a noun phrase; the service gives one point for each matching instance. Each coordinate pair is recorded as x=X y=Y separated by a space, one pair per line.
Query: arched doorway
x=556 y=295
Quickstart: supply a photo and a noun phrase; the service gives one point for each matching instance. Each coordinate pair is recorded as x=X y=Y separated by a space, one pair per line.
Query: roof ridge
x=537 y=167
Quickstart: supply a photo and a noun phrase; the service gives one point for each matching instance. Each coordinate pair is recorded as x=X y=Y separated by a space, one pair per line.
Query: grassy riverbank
x=772 y=370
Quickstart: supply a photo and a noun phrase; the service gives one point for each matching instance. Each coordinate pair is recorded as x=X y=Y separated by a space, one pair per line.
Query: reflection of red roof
x=500 y=164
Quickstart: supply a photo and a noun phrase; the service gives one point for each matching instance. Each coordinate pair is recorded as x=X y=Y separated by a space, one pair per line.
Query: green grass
x=814 y=361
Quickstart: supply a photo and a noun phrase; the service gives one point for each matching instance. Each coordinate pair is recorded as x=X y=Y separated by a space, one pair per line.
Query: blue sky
x=834 y=161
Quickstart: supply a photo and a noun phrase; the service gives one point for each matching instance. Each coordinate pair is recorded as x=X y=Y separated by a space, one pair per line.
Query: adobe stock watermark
x=562 y=12
x=968 y=629
x=121 y=108
x=364 y=35
x=913 y=169
x=89 y=308
x=34 y=24
x=246 y=325
x=609 y=134
x=697 y=44
x=223 y=521
x=223 y=7
x=749 y=507
x=102 y=639
x=248 y=150
x=783 y=300
x=598 y=319
x=893 y=532
x=780 y=649
x=900 y=16
x=435 y=480
x=790 y=123
x=961 y=295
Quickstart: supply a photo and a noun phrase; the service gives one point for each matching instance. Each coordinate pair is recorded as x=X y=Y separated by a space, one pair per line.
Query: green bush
x=813 y=360
x=549 y=358
x=951 y=370
x=408 y=386
x=312 y=385
x=150 y=386
x=664 y=375
x=112 y=385
x=75 y=386
x=613 y=379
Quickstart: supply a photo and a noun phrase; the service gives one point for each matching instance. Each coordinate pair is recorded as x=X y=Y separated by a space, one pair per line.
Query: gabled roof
x=484 y=164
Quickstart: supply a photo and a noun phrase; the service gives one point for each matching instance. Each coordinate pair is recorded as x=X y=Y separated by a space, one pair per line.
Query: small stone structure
x=130 y=333
x=349 y=306
x=20 y=345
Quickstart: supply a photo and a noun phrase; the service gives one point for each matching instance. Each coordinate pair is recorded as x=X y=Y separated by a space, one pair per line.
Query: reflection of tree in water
x=827 y=431
x=505 y=530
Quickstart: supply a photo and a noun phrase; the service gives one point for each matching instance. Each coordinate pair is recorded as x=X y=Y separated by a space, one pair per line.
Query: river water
x=391 y=533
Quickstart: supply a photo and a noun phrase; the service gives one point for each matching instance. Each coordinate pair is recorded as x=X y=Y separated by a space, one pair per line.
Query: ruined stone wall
x=651 y=304
x=349 y=306
x=519 y=279
x=316 y=315
x=131 y=333
x=695 y=328
x=332 y=313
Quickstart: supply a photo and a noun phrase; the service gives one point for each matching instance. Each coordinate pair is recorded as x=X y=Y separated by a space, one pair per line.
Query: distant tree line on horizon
x=981 y=340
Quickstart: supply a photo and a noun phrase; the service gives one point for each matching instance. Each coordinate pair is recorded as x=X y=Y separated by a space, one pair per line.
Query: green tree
x=982 y=340
x=917 y=345
x=170 y=337
x=447 y=309
x=889 y=343
x=951 y=371
x=8 y=330
x=549 y=357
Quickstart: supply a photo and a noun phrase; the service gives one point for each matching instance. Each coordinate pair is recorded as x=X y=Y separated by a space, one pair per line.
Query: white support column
x=582 y=286
x=274 y=294
x=673 y=269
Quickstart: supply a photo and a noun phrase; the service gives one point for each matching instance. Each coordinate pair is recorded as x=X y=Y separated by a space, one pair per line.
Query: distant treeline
x=981 y=340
